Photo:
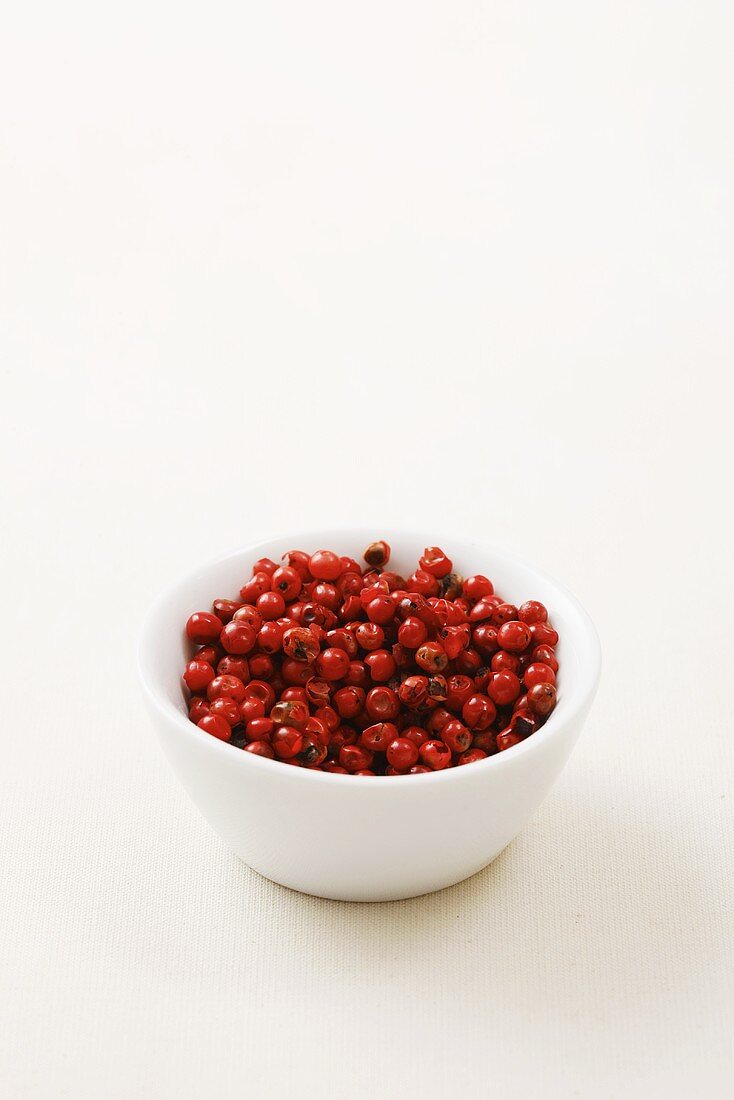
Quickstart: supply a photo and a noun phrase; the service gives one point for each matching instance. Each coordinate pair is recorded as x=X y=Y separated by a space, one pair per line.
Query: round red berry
x=324 y=565
x=198 y=675
x=538 y=674
x=260 y=748
x=216 y=726
x=332 y=663
x=382 y=704
x=435 y=755
x=402 y=753
x=514 y=636
x=203 y=627
x=238 y=637
x=503 y=687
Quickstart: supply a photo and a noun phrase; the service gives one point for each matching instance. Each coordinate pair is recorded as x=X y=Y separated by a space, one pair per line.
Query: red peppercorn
x=506 y=739
x=349 y=701
x=290 y=713
x=377 y=554
x=246 y=613
x=315 y=728
x=262 y=666
x=456 y=736
x=432 y=657
x=435 y=755
x=313 y=752
x=543 y=654
x=503 y=687
x=326 y=595
x=216 y=726
x=514 y=636
x=203 y=627
x=382 y=704
x=543 y=634
x=225 y=609
x=357 y=674
x=482 y=610
x=381 y=610
x=419 y=769
x=270 y=637
x=251 y=708
x=477 y=586
x=532 y=612
x=300 y=644
x=226 y=708
x=538 y=674
x=318 y=691
x=503 y=613
x=258 y=689
x=271 y=605
x=208 y=653
x=369 y=636
x=542 y=699
x=381 y=664
x=471 y=756
x=437 y=689
x=341 y=638
x=459 y=689
x=298 y=560
x=287 y=581
x=238 y=637
x=230 y=686
x=259 y=729
x=485 y=742
x=350 y=583
x=355 y=757
x=502 y=660
x=523 y=722
x=437 y=719
x=260 y=748
x=332 y=663
x=265 y=565
x=377 y=737
x=412 y=632
x=234 y=666
x=479 y=712
x=424 y=583
x=468 y=662
x=485 y=639
x=198 y=707
x=402 y=753
x=324 y=565
x=413 y=690
x=328 y=716
x=258 y=583
x=198 y=675
x=435 y=562
x=454 y=639
x=296 y=672
x=287 y=741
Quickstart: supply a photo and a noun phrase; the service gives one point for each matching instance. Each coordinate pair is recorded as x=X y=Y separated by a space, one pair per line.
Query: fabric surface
x=278 y=266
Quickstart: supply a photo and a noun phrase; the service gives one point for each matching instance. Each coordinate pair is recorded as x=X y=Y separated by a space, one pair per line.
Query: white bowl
x=358 y=838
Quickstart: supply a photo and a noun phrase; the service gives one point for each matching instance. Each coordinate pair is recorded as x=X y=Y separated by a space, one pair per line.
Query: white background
x=264 y=266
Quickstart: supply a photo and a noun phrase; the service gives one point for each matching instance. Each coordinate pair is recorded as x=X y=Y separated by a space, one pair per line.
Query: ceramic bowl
x=361 y=838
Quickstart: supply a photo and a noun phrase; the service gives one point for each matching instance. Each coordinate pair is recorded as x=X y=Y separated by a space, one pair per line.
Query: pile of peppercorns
x=328 y=665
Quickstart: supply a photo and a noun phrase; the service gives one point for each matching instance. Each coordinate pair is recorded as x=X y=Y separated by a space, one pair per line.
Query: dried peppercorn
x=330 y=666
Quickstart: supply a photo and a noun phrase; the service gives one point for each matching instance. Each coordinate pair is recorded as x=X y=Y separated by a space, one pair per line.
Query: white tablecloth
x=272 y=266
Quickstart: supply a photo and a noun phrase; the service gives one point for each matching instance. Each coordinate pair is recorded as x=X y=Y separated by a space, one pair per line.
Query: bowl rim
x=569 y=706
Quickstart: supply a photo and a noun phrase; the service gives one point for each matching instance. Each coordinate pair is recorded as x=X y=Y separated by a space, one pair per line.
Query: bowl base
x=376 y=895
